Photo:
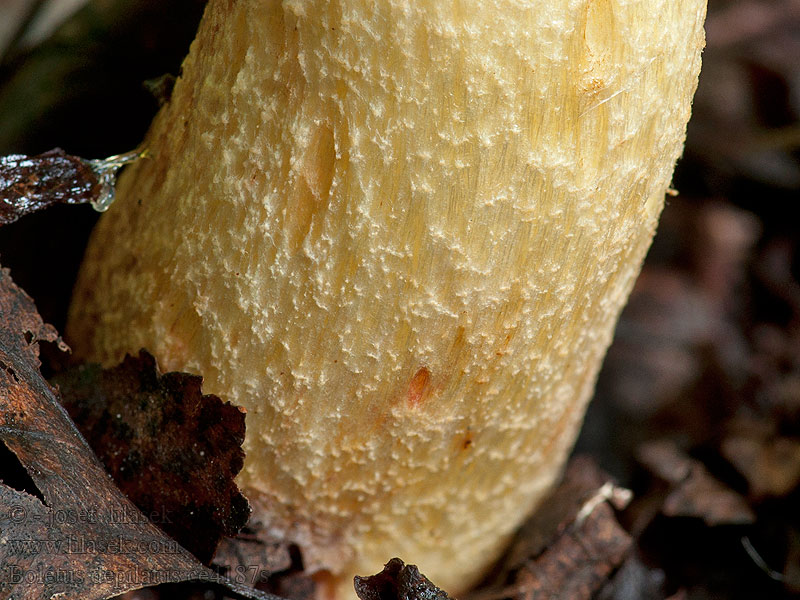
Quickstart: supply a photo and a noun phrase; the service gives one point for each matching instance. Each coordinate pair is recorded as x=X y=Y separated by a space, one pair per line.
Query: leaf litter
x=81 y=538
x=171 y=450
x=31 y=183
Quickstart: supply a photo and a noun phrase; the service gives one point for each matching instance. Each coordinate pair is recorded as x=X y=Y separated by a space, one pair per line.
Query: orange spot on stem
x=417 y=387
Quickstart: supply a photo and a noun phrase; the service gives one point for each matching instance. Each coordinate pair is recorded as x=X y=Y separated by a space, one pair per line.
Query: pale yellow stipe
x=400 y=234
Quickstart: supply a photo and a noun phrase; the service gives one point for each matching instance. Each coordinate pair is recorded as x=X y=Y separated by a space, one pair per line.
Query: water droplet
x=106 y=171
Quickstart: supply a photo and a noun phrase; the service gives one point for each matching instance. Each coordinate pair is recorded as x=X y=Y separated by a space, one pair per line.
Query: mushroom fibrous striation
x=399 y=233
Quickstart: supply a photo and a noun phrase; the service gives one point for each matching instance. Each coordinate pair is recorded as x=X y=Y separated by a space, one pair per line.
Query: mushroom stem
x=400 y=234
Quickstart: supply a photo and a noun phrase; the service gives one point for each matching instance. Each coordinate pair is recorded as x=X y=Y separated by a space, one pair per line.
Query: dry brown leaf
x=695 y=492
x=82 y=538
x=571 y=545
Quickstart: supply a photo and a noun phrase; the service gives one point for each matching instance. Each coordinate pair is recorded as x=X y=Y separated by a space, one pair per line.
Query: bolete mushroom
x=400 y=234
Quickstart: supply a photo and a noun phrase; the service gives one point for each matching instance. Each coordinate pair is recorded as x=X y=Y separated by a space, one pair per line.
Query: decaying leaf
x=246 y=549
x=634 y=580
x=31 y=183
x=695 y=492
x=398 y=581
x=769 y=461
x=294 y=585
x=571 y=545
x=269 y=562
x=579 y=562
x=172 y=450
x=581 y=482
x=83 y=538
